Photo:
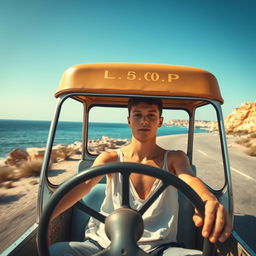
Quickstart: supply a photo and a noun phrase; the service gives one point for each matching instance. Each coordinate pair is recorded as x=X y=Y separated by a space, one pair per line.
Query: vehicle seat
x=84 y=164
x=186 y=228
x=80 y=219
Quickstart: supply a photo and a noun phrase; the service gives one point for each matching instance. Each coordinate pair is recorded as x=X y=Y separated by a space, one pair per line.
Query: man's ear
x=161 y=120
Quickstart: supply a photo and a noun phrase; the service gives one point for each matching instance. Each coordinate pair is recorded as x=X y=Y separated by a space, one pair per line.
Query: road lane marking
x=202 y=152
x=232 y=168
x=241 y=173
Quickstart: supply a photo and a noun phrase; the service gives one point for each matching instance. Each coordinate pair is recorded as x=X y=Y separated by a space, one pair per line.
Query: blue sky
x=41 y=39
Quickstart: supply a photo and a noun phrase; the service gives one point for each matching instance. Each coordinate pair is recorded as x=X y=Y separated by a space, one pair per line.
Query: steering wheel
x=125 y=222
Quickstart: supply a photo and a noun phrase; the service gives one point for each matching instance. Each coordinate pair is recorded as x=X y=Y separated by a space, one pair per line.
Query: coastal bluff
x=242 y=119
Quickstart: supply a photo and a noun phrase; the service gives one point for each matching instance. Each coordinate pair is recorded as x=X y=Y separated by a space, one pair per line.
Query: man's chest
x=143 y=184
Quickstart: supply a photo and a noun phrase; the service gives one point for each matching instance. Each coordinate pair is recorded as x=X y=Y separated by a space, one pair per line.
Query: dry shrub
x=249 y=143
x=253 y=136
x=65 y=153
x=242 y=133
x=238 y=133
x=251 y=151
x=6 y=173
x=30 y=168
x=244 y=142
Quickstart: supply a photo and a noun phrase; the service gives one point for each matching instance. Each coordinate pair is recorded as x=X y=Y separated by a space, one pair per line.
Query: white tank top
x=160 y=220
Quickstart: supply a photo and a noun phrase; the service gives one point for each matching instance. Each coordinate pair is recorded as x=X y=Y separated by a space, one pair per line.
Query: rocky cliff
x=242 y=119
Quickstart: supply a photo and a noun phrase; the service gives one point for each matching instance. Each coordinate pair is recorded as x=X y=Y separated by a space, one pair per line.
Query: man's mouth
x=144 y=129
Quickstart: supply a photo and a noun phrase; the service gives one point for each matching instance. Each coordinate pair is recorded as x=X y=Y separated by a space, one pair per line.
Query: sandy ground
x=23 y=194
x=23 y=191
x=18 y=203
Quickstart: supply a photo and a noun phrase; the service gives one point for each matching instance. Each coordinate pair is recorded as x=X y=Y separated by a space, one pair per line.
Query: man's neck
x=143 y=149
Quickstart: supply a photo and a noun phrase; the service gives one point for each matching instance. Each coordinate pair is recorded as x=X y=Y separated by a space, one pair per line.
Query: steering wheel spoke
x=100 y=217
x=152 y=198
x=104 y=252
x=126 y=189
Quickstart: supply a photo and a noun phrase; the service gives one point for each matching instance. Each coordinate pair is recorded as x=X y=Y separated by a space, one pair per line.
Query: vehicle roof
x=139 y=79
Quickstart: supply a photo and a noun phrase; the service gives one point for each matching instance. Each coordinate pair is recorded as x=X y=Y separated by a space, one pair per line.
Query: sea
x=27 y=134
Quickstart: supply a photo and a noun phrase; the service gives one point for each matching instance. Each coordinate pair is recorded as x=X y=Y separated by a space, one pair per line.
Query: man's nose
x=144 y=119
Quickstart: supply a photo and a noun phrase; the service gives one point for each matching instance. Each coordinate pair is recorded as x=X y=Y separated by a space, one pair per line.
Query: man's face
x=144 y=120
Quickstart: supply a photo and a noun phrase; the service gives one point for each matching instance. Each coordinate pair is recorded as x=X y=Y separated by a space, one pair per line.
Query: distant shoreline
x=26 y=134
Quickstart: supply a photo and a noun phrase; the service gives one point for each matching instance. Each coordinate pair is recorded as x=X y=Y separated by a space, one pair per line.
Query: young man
x=144 y=119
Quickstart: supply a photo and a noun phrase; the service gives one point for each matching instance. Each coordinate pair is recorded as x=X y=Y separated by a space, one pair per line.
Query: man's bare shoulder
x=177 y=155
x=106 y=157
x=178 y=162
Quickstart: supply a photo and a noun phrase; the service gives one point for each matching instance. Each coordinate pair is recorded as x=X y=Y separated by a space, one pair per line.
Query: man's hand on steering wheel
x=216 y=225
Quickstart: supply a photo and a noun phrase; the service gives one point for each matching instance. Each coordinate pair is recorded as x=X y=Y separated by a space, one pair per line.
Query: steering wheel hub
x=125 y=223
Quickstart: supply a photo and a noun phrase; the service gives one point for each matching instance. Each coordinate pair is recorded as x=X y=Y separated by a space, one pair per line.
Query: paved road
x=208 y=161
x=13 y=226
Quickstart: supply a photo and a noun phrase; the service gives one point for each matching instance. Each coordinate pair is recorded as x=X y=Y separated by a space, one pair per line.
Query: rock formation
x=105 y=144
x=63 y=152
x=242 y=119
x=16 y=157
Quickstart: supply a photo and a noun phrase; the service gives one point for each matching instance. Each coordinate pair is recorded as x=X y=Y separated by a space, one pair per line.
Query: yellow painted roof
x=139 y=79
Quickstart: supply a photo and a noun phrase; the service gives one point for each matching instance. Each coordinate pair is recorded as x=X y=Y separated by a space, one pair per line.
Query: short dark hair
x=151 y=101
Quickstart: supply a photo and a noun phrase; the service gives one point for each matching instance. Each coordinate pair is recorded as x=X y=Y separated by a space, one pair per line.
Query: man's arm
x=84 y=188
x=217 y=224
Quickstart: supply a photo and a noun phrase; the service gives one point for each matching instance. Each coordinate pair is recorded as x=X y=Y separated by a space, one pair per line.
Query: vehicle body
x=112 y=84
